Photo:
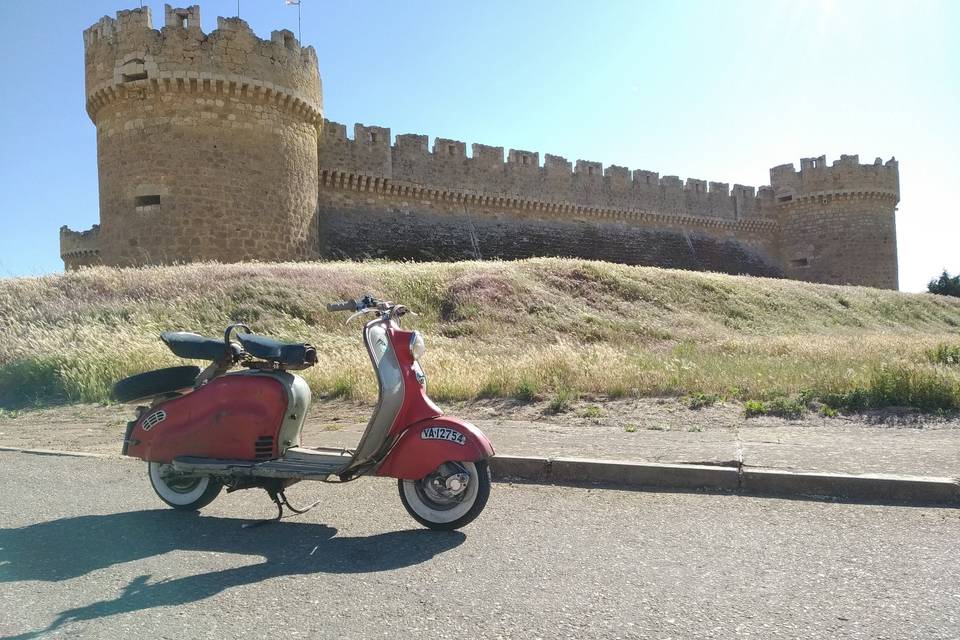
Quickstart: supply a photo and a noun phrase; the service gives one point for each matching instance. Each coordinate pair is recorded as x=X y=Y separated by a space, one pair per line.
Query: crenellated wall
x=206 y=143
x=213 y=147
x=837 y=222
x=80 y=248
x=370 y=152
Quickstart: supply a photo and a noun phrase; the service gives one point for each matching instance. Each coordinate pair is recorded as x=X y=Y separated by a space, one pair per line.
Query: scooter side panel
x=235 y=417
x=428 y=444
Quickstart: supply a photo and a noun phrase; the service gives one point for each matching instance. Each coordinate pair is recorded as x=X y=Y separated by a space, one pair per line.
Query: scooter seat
x=291 y=353
x=194 y=346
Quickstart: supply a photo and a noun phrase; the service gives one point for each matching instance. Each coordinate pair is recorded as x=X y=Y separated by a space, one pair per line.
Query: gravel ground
x=645 y=429
x=87 y=551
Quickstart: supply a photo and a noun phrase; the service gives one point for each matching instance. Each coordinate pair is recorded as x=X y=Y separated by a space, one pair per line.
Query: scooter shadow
x=72 y=547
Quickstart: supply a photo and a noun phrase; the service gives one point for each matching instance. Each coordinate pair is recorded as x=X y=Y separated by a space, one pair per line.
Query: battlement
x=556 y=179
x=79 y=245
x=127 y=52
x=845 y=175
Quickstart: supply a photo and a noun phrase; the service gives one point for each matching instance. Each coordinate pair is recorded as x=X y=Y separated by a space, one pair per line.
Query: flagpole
x=299 y=28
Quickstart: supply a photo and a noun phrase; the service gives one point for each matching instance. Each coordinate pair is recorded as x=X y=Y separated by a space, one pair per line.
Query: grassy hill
x=546 y=328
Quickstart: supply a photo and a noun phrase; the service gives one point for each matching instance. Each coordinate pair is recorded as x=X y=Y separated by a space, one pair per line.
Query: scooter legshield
x=426 y=445
x=235 y=417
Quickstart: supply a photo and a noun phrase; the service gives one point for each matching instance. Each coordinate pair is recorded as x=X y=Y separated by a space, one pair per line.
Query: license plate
x=443 y=433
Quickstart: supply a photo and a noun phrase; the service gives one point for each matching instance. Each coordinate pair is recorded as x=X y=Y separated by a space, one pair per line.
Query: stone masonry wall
x=206 y=144
x=838 y=223
x=587 y=183
x=80 y=248
x=841 y=240
x=403 y=221
x=213 y=147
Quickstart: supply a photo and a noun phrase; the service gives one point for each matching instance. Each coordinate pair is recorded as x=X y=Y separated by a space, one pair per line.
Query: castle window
x=130 y=77
x=591 y=171
x=800 y=262
x=784 y=198
x=133 y=69
x=525 y=160
x=372 y=138
x=451 y=149
x=146 y=201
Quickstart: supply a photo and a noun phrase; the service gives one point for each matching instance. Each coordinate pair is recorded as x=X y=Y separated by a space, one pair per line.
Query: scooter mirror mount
x=232 y=329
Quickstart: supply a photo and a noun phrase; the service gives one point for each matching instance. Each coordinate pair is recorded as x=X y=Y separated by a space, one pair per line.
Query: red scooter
x=202 y=431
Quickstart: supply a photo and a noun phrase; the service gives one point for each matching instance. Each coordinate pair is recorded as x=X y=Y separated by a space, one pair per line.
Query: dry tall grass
x=528 y=328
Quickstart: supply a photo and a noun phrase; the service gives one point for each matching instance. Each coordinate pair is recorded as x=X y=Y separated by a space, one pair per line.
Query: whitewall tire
x=433 y=503
x=188 y=493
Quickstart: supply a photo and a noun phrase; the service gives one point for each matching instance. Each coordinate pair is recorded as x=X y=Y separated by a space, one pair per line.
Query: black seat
x=291 y=353
x=151 y=384
x=194 y=346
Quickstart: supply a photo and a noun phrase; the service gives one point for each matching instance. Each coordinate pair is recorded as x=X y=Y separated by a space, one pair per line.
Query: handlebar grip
x=346 y=305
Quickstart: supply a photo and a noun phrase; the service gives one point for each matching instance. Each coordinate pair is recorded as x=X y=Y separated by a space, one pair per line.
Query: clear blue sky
x=711 y=90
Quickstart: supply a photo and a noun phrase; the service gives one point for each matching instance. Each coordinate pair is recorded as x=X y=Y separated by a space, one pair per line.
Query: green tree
x=945 y=285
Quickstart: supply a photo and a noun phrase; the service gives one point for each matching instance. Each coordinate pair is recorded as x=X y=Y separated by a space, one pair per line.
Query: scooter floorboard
x=297 y=462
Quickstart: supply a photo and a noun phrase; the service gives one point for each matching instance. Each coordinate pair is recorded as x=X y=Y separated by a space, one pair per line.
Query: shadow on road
x=72 y=547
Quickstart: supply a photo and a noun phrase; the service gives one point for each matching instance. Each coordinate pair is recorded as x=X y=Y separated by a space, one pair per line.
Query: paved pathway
x=87 y=551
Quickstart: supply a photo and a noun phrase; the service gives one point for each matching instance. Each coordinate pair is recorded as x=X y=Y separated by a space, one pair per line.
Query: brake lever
x=356 y=314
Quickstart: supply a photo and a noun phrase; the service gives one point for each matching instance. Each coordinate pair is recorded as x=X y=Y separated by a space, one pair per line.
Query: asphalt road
x=87 y=551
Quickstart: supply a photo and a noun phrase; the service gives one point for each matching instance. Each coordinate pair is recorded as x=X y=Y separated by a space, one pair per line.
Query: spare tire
x=155 y=383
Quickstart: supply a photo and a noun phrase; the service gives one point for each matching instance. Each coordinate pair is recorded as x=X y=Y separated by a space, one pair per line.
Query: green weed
x=591 y=411
x=526 y=389
x=943 y=353
x=701 y=400
x=783 y=407
x=562 y=400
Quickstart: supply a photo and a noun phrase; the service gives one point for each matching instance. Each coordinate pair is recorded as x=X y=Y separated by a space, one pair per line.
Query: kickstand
x=280 y=499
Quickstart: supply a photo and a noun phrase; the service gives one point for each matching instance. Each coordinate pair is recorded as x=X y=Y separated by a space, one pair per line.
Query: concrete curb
x=571 y=471
x=692 y=477
x=759 y=482
x=867 y=487
x=53 y=452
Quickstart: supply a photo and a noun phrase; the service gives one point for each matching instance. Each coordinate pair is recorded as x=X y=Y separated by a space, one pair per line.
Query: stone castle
x=214 y=147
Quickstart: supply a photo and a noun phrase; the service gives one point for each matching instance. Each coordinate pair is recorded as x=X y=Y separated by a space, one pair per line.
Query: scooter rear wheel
x=188 y=493
x=431 y=502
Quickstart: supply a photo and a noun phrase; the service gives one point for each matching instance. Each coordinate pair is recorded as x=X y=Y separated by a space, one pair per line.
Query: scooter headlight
x=417 y=347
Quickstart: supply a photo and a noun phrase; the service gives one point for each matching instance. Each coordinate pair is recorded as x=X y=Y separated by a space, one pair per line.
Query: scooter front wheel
x=182 y=492
x=448 y=498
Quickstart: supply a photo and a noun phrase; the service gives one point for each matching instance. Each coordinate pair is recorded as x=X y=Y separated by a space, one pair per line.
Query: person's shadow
x=72 y=547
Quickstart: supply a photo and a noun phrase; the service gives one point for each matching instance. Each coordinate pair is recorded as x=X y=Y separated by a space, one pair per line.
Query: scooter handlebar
x=360 y=304
x=346 y=305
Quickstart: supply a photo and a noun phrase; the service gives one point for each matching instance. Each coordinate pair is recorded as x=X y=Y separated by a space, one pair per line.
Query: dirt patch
x=99 y=429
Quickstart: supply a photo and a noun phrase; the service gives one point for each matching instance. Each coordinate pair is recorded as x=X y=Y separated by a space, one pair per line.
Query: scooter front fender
x=426 y=445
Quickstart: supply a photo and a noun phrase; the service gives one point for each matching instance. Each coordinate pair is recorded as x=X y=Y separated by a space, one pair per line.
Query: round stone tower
x=837 y=223
x=206 y=143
